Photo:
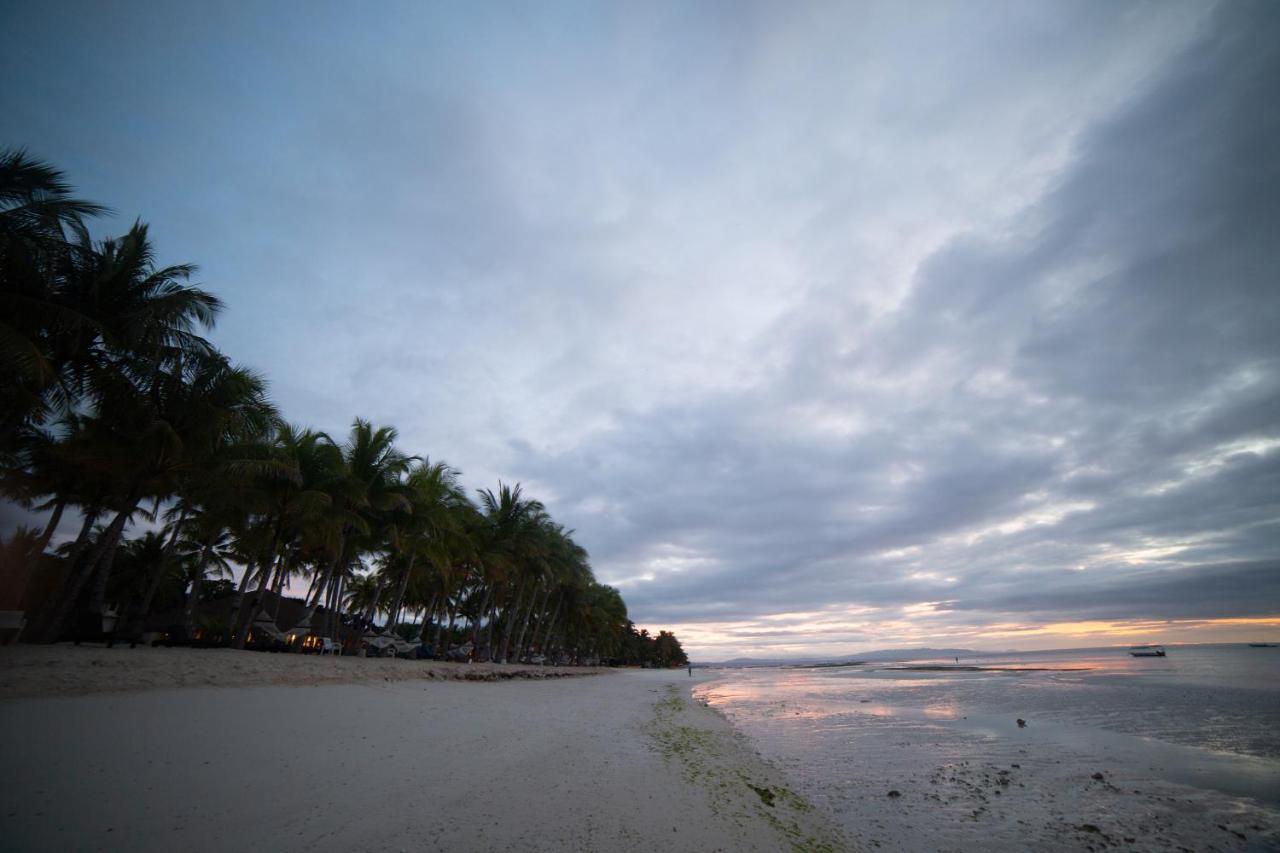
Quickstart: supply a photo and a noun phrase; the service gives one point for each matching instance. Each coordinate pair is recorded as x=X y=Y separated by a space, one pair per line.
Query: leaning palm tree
x=509 y=542
x=141 y=567
x=52 y=479
x=92 y=310
x=363 y=484
x=144 y=317
x=41 y=228
x=565 y=560
x=416 y=528
x=208 y=554
x=155 y=435
x=292 y=503
x=365 y=594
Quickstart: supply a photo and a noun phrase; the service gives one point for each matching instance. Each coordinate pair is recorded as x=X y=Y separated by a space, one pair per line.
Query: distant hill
x=877 y=656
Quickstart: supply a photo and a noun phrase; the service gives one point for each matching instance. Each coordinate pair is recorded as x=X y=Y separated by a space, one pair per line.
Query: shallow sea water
x=1187 y=747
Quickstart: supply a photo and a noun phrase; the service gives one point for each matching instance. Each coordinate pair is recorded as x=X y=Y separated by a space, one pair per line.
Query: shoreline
x=629 y=762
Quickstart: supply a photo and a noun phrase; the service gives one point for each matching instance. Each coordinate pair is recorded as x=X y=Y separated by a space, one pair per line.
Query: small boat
x=1147 y=651
x=1263 y=645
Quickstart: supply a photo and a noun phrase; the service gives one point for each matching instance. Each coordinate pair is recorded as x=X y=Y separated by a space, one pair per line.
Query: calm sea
x=1206 y=718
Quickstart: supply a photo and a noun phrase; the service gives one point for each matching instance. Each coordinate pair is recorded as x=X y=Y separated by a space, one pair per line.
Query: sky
x=826 y=326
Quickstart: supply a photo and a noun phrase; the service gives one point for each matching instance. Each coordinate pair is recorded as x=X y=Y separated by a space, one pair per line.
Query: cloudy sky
x=827 y=326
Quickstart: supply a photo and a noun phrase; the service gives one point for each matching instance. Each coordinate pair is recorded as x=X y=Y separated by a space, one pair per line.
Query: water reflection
x=1221 y=698
x=1202 y=718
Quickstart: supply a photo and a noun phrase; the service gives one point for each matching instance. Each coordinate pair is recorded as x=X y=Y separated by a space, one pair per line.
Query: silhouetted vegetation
x=640 y=649
x=115 y=410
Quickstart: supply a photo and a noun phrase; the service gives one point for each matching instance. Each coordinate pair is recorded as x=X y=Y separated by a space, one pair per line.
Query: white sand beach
x=70 y=670
x=622 y=761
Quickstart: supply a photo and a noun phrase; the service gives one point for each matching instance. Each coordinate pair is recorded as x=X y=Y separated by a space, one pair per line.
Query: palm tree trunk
x=480 y=614
x=371 y=607
x=96 y=601
x=546 y=633
x=524 y=620
x=511 y=615
x=189 y=617
x=425 y=614
x=139 y=618
x=281 y=572
x=309 y=600
x=404 y=584
x=326 y=623
x=145 y=607
x=52 y=526
x=315 y=579
x=444 y=609
x=320 y=587
x=491 y=627
x=74 y=562
x=332 y=600
x=336 y=610
x=268 y=566
x=260 y=599
x=234 y=618
x=319 y=584
x=109 y=538
x=86 y=534
x=521 y=651
x=338 y=555
x=37 y=552
x=98 y=598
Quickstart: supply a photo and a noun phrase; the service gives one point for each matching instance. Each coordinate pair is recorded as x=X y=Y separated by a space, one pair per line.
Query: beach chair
x=330 y=647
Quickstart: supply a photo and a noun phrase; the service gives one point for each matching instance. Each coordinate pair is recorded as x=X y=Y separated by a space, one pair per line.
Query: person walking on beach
x=691 y=670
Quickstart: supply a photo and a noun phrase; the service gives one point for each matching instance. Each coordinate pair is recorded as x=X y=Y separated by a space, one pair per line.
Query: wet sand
x=908 y=760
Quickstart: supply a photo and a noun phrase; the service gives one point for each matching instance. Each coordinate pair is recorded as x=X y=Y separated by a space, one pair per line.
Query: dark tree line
x=641 y=649
x=115 y=410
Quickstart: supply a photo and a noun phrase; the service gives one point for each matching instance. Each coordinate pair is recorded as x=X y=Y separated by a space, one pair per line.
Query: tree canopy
x=116 y=411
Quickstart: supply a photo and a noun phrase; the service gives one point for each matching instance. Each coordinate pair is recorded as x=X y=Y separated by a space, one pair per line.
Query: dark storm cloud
x=1119 y=349
x=1206 y=591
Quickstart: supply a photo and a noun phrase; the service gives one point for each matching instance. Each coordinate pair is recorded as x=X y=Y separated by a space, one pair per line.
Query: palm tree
x=365 y=594
x=155 y=435
x=208 y=554
x=99 y=330
x=363 y=481
x=417 y=529
x=455 y=563
x=41 y=226
x=89 y=311
x=598 y=623
x=566 y=563
x=507 y=542
x=113 y=405
x=52 y=479
x=291 y=501
x=141 y=567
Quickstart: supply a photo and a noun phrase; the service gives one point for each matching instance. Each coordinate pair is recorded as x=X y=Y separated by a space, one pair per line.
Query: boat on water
x=1147 y=651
